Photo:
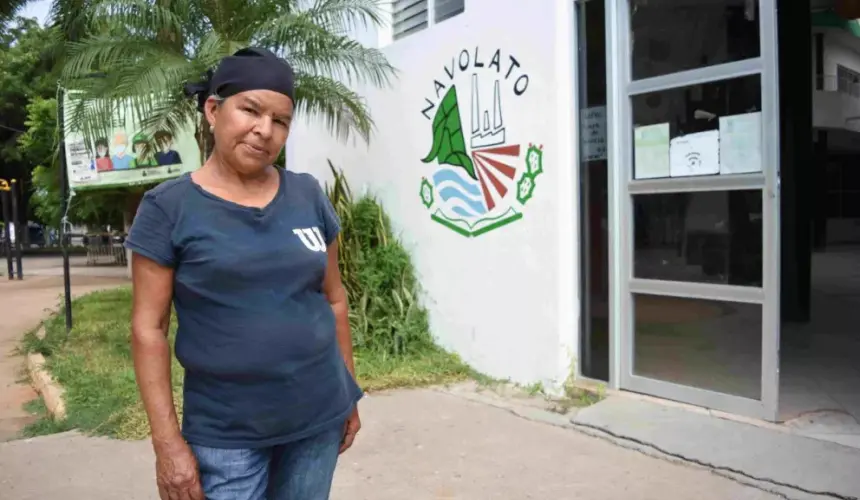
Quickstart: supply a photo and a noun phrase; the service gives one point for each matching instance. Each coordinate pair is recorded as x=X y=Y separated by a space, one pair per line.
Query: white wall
x=507 y=300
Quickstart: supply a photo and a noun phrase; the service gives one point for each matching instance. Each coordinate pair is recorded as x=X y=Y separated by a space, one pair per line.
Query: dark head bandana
x=250 y=68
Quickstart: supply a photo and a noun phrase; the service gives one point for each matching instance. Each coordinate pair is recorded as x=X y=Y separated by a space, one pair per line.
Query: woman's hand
x=353 y=425
x=176 y=473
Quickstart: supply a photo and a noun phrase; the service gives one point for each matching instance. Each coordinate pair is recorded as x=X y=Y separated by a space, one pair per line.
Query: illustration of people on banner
x=127 y=153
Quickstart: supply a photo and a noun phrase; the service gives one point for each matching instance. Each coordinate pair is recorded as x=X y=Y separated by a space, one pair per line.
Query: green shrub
x=385 y=314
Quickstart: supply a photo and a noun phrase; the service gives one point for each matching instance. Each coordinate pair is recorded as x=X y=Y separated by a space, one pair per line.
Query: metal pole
x=64 y=205
x=16 y=217
x=7 y=239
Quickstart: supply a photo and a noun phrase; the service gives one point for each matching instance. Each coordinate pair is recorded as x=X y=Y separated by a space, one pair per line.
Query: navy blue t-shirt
x=256 y=333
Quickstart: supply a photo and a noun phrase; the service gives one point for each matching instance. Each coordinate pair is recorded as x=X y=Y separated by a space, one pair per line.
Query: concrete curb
x=51 y=392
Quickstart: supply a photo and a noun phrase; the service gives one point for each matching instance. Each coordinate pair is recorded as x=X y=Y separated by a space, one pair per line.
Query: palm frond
x=343 y=16
x=92 y=117
x=8 y=9
x=137 y=17
x=344 y=59
x=342 y=110
x=288 y=32
x=106 y=54
x=315 y=50
x=210 y=50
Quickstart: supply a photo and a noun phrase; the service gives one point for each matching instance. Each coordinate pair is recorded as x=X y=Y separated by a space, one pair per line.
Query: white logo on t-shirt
x=311 y=238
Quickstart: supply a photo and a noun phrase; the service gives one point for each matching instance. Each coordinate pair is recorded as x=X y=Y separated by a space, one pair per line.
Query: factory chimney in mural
x=485 y=133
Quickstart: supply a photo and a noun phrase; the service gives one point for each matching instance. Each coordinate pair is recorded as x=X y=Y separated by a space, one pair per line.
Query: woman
x=102 y=161
x=247 y=253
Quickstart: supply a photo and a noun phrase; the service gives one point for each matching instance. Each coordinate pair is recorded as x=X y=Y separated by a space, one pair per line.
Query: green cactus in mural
x=426 y=193
x=525 y=188
x=534 y=161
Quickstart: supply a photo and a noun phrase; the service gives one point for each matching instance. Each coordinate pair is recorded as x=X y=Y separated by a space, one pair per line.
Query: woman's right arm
x=153 y=290
x=176 y=469
x=152 y=268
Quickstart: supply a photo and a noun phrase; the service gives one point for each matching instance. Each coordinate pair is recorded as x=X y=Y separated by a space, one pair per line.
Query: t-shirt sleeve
x=151 y=232
x=331 y=222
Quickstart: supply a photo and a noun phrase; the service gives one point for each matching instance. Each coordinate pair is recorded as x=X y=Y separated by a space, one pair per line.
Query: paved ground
x=415 y=444
x=23 y=304
x=797 y=465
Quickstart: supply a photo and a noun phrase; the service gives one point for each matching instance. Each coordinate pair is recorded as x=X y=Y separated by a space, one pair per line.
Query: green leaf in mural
x=449 y=146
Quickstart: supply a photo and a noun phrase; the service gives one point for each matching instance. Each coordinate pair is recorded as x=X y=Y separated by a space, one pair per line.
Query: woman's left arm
x=336 y=294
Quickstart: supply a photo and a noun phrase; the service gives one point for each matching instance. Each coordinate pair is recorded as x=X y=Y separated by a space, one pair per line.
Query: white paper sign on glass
x=593 y=133
x=740 y=144
x=651 y=151
x=695 y=154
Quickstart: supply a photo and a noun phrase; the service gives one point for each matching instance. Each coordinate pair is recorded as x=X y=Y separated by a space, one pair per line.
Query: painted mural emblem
x=482 y=183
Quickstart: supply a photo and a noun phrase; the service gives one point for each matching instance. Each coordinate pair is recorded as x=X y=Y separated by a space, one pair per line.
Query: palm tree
x=143 y=51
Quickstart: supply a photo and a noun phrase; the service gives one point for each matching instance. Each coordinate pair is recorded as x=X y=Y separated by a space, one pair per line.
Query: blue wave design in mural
x=449 y=192
x=463 y=212
x=469 y=185
x=460 y=194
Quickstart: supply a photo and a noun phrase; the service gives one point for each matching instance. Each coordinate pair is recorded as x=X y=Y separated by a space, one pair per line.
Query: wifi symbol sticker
x=694 y=160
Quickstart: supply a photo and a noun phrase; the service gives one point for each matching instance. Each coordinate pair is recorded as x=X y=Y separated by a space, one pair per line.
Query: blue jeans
x=301 y=470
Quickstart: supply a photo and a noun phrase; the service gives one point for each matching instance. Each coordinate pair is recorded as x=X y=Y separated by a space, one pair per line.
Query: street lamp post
x=16 y=228
x=7 y=234
x=64 y=206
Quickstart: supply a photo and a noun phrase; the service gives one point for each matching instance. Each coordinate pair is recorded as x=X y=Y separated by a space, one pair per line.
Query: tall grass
x=385 y=313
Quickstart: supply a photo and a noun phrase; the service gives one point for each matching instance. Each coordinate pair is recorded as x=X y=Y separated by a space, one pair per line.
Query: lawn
x=94 y=366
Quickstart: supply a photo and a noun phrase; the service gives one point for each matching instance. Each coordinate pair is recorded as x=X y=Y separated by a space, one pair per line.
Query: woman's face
x=101 y=151
x=250 y=128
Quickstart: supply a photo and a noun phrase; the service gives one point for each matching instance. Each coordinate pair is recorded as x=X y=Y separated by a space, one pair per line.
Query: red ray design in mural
x=487 y=167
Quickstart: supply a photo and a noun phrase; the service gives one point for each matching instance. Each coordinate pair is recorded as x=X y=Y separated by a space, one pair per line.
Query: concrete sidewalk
x=23 y=304
x=421 y=444
x=766 y=454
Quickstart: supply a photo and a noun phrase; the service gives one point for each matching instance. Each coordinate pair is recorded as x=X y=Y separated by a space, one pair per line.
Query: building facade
x=493 y=238
x=588 y=188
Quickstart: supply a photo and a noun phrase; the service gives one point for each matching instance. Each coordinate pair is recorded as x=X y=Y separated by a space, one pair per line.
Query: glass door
x=693 y=110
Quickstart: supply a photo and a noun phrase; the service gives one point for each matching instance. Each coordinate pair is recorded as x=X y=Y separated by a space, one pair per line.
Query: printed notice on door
x=651 y=151
x=593 y=133
x=740 y=144
x=695 y=154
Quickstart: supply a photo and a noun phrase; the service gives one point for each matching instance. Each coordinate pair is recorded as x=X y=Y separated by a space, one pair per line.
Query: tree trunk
x=205 y=139
x=132 y=202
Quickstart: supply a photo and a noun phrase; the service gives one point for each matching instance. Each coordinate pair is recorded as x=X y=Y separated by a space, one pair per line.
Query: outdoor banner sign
x=126 y=155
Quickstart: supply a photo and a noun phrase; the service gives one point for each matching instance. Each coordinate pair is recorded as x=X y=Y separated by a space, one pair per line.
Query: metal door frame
x=622 y=186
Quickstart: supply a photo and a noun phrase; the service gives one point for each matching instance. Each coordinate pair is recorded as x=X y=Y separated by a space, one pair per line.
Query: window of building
x=848 y=81
x=410 y=16
x=443 y=9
